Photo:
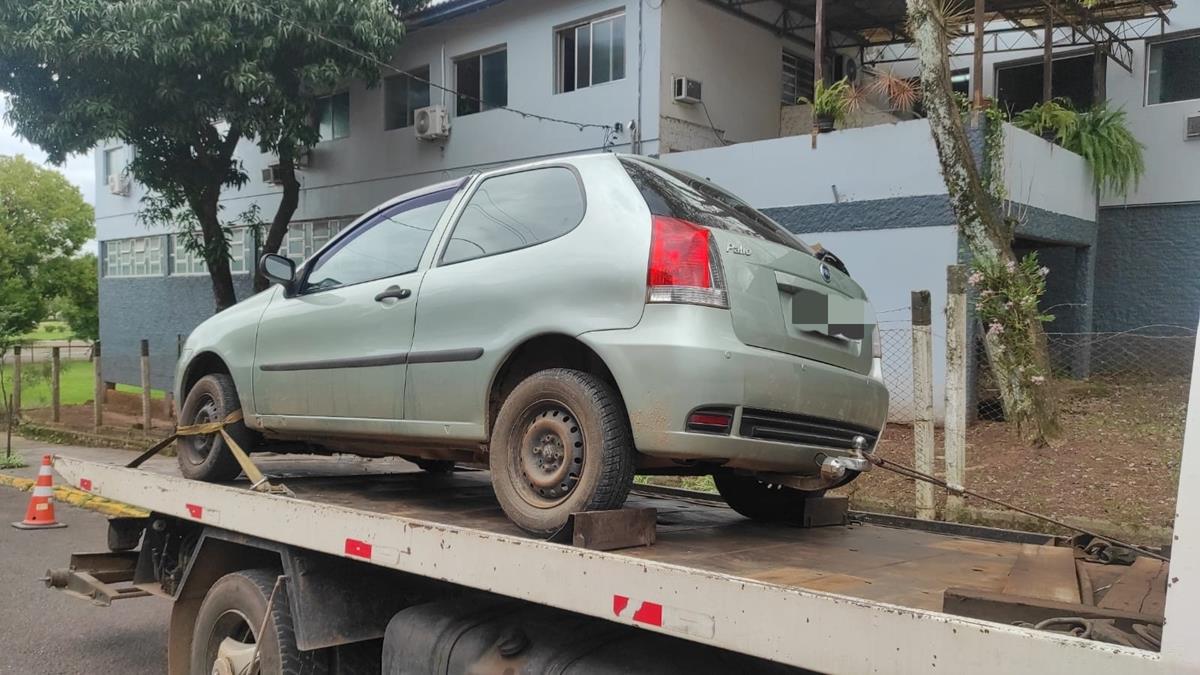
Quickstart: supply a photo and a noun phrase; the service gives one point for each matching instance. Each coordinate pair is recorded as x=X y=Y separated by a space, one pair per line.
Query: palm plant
x=1102 y=137
x=900 y=92
x=830 y=103
x=1053 y=120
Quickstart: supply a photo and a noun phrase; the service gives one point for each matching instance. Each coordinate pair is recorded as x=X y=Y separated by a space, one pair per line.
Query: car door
x=332 y=355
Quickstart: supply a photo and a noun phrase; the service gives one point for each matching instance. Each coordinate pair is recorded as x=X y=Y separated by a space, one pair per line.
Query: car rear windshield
x=678 y=194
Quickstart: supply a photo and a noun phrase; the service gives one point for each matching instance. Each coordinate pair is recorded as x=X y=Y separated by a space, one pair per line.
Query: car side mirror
x=278 y=269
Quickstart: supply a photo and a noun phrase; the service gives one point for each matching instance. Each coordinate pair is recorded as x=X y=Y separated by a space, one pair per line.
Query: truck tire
x=233 y=609
x=762 y=501
x=561 y=444
x=206 y=458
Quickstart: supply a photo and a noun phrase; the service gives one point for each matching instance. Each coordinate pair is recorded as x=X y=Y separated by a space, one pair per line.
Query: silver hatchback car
x=568 y=323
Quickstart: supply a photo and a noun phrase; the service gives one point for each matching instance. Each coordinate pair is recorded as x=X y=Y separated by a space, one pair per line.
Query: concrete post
x=922 y=343
x=955 y=429
x=97 y=387
x=55 y=384
x=146 y=417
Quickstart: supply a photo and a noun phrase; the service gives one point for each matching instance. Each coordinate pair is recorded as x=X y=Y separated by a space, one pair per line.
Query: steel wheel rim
x=548 y=446
x=231 y=627
x=201 y=446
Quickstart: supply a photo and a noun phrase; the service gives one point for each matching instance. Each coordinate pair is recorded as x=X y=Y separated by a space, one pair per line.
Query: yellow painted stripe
x=75 y=497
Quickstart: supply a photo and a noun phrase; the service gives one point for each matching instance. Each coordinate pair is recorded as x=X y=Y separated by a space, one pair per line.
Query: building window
x=136 y=257
x=241 y=254
x=797 y=78
x=591 y=53
x=304 y=239
x=960 y=81
x=333 y=116
x=403 y=95
x=1019 y=85
x=114 y=163
x=482 y=81
x=1173 y=71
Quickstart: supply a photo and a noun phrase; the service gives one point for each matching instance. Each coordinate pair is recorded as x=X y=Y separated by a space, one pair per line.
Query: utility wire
x=367 y=57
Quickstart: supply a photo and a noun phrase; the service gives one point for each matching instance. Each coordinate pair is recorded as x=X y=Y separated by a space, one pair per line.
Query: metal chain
x=909 y=472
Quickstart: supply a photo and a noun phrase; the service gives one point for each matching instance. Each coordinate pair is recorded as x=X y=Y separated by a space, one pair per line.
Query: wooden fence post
x=97 y=387
x=922 y=344
x=955 y=428
x=55 y=384
x=146 y=386
x=16 y=387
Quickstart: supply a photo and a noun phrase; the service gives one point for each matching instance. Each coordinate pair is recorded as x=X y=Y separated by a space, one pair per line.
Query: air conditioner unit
x=1193 y=128
x=431 y=123
x=686 y=90
x=118 y=185
x=272 y=175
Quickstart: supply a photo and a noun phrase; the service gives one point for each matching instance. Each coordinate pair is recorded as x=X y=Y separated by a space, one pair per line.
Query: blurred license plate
x=831 y=315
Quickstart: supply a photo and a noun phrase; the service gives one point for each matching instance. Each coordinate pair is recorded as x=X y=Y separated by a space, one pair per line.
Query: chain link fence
x=68 y=350
x=1140 y=358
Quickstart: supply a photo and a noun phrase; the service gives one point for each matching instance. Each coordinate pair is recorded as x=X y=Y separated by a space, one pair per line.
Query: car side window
x=516 y=210
x=388 y=245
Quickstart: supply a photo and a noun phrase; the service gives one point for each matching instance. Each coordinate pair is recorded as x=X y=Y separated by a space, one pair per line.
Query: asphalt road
x=46 y=632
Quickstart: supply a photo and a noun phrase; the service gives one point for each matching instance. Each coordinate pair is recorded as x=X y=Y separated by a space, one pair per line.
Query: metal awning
x=877 y=27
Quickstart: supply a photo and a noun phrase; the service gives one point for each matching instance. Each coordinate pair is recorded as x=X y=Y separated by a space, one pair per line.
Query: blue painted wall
x=1148 y=267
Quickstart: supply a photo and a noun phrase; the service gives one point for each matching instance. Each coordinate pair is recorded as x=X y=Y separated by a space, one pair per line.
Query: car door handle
x=393 y=292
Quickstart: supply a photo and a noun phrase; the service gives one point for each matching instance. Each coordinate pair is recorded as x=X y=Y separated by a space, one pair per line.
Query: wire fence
x=1143 y=357
x=68 y=350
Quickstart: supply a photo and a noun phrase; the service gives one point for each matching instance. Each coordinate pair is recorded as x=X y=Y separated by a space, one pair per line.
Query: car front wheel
x=211 y=399
x=561 y=444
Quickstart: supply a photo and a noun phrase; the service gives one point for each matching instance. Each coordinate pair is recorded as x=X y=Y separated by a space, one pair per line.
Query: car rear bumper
x=681 y=357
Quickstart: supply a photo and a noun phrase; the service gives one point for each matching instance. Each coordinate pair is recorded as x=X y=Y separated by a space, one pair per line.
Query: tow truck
x=368 y=567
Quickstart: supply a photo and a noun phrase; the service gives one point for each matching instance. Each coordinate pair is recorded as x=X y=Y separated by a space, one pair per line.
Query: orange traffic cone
x=40 y=514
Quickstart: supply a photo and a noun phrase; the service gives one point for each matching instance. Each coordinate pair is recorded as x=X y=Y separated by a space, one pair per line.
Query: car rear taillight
x=684 y=266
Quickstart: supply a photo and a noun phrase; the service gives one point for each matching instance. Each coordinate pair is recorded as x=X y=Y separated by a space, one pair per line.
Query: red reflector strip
x=195 y=510
x=649 y=613
x=710 y=419
x=85 y=484
x=358 y=548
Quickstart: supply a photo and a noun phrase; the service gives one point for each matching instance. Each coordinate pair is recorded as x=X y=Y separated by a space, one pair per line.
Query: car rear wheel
x=760 y=500
x=226 y=636
x=561 y=444
x=212 y=399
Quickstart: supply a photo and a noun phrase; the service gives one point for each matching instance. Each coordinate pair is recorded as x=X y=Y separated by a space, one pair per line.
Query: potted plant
x=830 y=104
x=1102 y=137
x=1053 y=120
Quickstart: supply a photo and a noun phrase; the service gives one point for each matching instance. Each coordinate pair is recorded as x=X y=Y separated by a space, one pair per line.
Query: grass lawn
x=75 y=385
x=48 y=330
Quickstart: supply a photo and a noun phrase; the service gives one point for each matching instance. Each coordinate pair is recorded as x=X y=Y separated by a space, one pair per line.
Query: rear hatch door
x=781 y=296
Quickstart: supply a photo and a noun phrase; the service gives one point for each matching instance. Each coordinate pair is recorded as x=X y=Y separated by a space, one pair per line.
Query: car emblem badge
x=825 y=272
x=737 y=249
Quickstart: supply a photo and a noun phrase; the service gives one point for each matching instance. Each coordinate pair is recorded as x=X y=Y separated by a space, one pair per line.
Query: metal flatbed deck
x=857 y=598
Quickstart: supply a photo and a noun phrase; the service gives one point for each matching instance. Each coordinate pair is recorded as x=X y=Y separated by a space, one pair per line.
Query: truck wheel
x=225 y=633
x=561 y=444
x=206 y=458
x=762 y=501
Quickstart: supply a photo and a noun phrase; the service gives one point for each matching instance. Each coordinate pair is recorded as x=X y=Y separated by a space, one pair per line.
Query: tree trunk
x=283 y=215
x=987 y=235
x=216 y=256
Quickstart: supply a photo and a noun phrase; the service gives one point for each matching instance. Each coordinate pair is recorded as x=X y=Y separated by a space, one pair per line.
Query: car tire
x=234 y=608
x=207 y=458
x=759 y=500
x=561 y=444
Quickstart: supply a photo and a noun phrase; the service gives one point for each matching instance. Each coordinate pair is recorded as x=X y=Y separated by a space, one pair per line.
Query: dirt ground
x=1117 y=460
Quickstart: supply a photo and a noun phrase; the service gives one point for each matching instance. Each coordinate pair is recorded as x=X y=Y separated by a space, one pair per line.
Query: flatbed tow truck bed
x=856 y=598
